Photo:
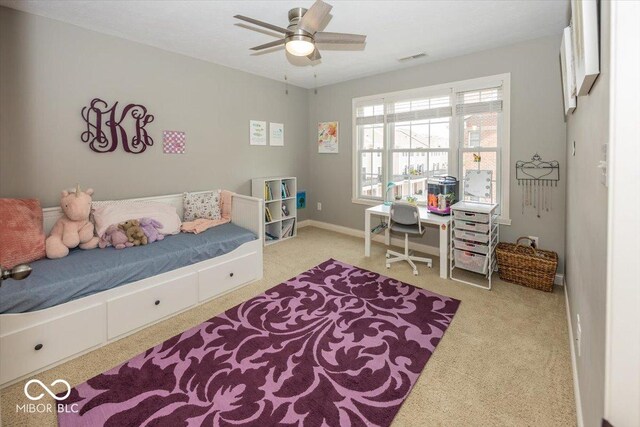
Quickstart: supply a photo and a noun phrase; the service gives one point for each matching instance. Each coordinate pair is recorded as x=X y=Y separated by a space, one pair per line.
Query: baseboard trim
x=425 y=249
x=574 y=363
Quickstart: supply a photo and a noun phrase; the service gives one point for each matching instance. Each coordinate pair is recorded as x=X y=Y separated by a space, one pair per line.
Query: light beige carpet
x=504 y=361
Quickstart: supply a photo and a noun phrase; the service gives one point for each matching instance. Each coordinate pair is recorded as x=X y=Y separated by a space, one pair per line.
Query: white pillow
x=204 y=204
x=117 y=211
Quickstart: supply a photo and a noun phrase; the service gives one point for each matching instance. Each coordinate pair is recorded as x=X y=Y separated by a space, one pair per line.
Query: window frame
x=455 y=138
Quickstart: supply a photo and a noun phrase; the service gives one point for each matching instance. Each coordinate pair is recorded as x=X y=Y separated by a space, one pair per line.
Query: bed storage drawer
x=148 y=305
x=227 y=275
x=35 y=347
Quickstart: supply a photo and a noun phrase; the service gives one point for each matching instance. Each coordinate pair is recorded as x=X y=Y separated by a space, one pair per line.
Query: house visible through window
x=405 y=138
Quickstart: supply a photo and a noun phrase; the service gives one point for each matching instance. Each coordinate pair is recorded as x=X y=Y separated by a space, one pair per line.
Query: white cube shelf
x=281 y=215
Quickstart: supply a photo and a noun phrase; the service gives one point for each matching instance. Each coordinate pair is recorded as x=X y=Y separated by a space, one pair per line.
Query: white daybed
x=38 y=340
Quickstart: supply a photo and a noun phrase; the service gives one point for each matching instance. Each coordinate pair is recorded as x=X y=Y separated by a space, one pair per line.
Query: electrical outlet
x=535 y=240
x=579 y=337
x=319 y=206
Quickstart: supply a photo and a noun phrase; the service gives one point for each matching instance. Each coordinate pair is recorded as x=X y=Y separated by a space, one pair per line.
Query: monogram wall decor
x=106 y=128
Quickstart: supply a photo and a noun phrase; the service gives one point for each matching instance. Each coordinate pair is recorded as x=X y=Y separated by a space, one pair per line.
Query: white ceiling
x=394 y=29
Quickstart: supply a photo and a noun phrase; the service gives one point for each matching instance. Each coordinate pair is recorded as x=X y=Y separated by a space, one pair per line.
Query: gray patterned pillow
x=201 y=205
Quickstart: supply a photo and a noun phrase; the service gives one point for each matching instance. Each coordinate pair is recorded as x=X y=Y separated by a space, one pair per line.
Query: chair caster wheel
x=415 y=272
x=388 y=265
x=430 y=266
x=388 y=256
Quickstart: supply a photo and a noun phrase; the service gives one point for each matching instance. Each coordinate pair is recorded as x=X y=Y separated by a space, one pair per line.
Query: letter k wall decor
x=108 y=127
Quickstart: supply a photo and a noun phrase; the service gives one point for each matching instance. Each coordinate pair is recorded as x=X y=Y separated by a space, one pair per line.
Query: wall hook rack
x=538 y=170
x=537 y=179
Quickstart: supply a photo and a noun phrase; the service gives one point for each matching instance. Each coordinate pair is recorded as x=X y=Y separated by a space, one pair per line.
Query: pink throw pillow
x=225 y=204
x=22 y=232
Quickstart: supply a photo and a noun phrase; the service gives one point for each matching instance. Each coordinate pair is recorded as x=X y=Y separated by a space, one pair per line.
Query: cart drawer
x=472 y=226
x=470 y=261
x=471 y=216
x=464 y=245
x=470 y=235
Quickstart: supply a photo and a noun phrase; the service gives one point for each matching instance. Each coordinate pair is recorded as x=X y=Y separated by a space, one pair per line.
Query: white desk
x=442 y=222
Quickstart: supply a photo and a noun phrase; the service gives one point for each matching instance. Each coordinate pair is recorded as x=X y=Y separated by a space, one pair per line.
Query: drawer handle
x=38 y=347
x=157 y=302
x=230 y=274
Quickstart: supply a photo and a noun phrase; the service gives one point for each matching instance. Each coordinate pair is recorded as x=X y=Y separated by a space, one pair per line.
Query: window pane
x=371 y=174
x=482 y=161
x=411 y=170
x=399 y=169
x=378 y=135
x=438 y=163
x=372 y=137
x=420 y=134
x=481 y=130
x=439 y=136
x=402 y=135
x=367 y=137
x=401 y=107
x=370 y=110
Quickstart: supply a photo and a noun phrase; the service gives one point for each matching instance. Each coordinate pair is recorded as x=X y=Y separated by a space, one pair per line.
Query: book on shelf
x=285 y=191
x=268 y=195
x=267 y=215
x=287 y=231
x=269 y=237
x=285 y=210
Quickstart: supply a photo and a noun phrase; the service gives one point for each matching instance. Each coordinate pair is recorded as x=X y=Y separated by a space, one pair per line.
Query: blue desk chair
x=405 y=218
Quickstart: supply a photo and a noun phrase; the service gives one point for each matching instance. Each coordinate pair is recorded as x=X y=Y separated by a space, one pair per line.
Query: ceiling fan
x=302 y=35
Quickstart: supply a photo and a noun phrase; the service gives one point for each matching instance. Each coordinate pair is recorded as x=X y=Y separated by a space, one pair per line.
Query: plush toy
x=74 y=228
x=115 y=237
x=134 y=232
x=150 y=228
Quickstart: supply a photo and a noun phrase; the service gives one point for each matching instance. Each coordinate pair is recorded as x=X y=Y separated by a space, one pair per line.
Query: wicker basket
x=527 y=266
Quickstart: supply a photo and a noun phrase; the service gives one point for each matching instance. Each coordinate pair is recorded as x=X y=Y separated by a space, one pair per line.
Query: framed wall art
x=568 y=76
x=586 y=57
x=257 y=132
x=328 y=137
x=276 y=134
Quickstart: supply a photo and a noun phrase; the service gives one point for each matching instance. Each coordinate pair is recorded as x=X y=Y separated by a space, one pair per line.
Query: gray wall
x=537 y=125
x=586 y=231
x=50 y=70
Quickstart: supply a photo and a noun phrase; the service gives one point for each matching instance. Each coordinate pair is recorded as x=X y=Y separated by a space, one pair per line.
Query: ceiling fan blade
x=263 y=24
x=313 y=18
x=315 y=55
x=268 y=45
x=339 y=38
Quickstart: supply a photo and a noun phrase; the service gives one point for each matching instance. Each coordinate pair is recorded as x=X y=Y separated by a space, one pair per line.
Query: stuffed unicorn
x=74 y=228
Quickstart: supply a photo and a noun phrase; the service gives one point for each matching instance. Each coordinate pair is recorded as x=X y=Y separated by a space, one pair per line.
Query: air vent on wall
x=412 y=57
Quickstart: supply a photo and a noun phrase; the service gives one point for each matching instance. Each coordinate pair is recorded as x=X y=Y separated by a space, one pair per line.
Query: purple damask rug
x=336 y=345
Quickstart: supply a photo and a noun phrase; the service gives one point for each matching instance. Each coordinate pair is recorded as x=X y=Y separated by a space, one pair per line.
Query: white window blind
x=479 y=101
x=420 y=109
x=370 y=114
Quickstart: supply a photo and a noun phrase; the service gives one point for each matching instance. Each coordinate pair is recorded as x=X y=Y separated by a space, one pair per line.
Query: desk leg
x=444 y=249
x=367 y=233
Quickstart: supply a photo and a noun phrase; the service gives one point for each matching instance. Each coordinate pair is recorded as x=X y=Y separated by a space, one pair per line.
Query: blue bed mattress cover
x=83 y=273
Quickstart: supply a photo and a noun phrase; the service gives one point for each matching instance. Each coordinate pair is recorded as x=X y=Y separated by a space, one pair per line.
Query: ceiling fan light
x=300 y=46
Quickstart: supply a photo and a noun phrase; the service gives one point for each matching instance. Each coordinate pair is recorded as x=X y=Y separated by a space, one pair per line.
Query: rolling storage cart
x=474 y=237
